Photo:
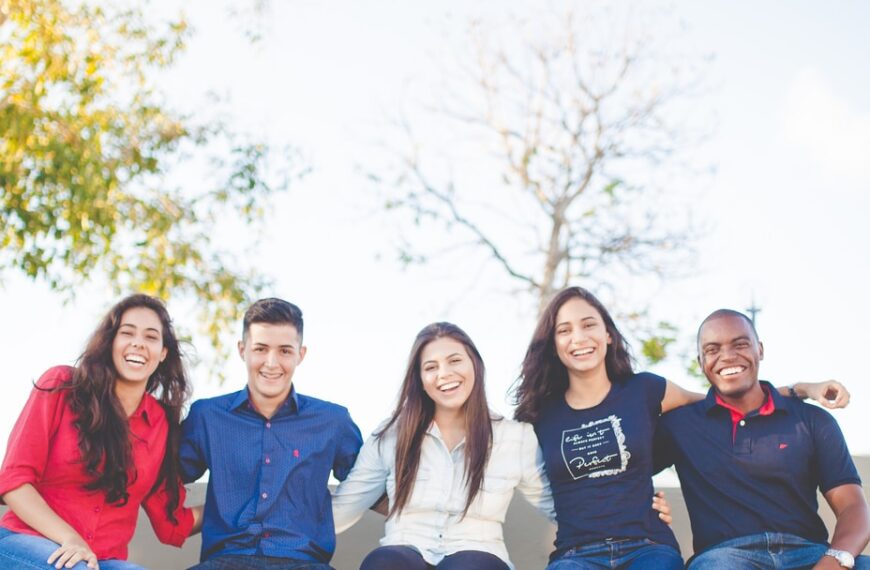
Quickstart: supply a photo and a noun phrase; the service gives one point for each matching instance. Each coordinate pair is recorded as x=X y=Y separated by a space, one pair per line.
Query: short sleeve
x=654 y=388
x=28 y=446
x=349 y=443
x=833 y=461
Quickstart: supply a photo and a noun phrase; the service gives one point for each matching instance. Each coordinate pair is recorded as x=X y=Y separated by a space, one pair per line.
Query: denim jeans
x=27 y=551
x=771 y=550
x=254 y=562
x=407 y=558
x=621 y=554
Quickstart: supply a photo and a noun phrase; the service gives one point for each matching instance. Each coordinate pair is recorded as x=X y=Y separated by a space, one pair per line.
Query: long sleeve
x=365 y=484
x=191 y=453
x=167 y=531
x=534 y=484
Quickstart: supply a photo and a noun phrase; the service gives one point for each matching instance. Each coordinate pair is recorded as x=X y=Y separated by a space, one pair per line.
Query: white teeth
x=731 y=370
x=583 y=352
x=132 y=359
x=448 y=386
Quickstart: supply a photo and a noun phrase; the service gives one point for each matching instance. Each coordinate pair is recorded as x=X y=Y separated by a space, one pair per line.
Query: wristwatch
x=843 y=558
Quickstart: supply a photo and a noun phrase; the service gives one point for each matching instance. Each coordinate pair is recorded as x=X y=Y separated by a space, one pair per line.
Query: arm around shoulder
x=363 y=486
x=534 y=484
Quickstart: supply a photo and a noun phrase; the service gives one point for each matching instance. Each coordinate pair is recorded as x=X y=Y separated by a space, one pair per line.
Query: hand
x=827 y=563
x=663 y=507
x=830 y=394
x=73 y=551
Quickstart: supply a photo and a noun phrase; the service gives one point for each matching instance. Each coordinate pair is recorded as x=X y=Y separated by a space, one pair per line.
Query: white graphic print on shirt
x=595 y=449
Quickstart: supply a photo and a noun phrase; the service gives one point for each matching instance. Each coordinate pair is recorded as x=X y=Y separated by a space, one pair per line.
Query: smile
x=731 y=370
x=449 y=386
x=583 y=351
x=135 y=360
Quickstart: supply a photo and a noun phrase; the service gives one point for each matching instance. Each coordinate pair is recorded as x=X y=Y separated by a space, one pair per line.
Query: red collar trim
x=766 y=409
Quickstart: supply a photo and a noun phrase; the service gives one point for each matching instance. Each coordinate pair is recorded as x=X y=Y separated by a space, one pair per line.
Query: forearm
x=30 y=507
x=197 y=519
x=852 y=531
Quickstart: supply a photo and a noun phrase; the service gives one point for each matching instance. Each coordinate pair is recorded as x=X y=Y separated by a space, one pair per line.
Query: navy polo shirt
x=599 y=462
x=758 y=475
x=267 y=489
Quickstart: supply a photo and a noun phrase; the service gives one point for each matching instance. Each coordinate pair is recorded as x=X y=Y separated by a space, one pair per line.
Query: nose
x=271 y=359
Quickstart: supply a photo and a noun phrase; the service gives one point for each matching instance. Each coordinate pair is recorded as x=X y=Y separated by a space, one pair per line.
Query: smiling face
x=729 y=354
x=581 y=338
x=271 y=353
x=137 y=349
x=447 y=373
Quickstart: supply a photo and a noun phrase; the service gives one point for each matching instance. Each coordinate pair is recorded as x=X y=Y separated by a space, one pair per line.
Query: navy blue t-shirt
x=761 y=476
x=599 y=461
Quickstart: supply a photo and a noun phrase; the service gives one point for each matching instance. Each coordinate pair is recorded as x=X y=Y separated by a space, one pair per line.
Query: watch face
x=845 y=559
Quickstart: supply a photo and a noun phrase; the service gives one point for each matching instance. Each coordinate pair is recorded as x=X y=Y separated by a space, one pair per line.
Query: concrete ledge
x=528 y=535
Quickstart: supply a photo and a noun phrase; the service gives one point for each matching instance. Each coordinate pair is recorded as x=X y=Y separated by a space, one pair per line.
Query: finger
x=74 y=559
x=92 y=561
x=62 y=559
x=662 y=506
x=54 y=555
x=667 y=519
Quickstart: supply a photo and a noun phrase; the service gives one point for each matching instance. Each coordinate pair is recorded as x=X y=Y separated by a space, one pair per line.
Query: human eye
x=563 y=330
x=711 y=350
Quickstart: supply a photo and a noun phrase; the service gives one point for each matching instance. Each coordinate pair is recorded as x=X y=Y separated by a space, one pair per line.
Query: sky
x=784 y=210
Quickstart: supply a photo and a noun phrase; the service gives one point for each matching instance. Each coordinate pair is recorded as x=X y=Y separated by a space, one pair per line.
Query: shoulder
x=312 y=405
x=206 y=405
x=505 y=430
x=55 y=377
x=808 y=413
x=647 y=379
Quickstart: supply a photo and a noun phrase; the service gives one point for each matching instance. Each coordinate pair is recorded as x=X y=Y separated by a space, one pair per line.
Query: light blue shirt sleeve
x=533 y=484
x=365 y=484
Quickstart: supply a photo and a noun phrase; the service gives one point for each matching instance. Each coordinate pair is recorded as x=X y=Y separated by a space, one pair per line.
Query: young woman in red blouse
x=96 y=441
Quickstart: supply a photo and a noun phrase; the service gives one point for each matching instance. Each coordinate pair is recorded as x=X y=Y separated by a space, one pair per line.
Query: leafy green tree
x=91 y=160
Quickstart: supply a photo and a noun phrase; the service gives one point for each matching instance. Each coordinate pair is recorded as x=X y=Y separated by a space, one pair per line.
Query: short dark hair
x=274 y=311
x=719 y=313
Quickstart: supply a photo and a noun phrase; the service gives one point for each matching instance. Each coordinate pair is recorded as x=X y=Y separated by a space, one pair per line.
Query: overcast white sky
x=787 y=207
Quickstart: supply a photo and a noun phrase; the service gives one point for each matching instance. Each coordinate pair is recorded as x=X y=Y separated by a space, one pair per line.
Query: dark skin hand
x=852 y=531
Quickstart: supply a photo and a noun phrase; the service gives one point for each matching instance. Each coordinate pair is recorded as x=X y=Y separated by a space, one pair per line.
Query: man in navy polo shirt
x=750 y=462
x=269 y=452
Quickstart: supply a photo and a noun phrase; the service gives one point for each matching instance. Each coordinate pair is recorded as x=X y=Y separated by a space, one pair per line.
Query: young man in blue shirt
x=750 y=462
x=269 y=451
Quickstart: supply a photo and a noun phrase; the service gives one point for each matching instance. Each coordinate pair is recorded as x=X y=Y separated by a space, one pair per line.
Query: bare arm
x=676 y=396
x=197 y=519
x=30 y=507
x=852 y=531
x=830 y=393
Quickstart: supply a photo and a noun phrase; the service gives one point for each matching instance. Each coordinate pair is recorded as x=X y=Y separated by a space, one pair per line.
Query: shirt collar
x=147 y=409
x=773 y=401
x=242 y=400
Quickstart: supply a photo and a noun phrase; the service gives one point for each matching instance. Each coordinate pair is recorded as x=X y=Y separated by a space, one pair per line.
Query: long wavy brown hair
x=543 y=375
x=104 y=435
x=415 y=412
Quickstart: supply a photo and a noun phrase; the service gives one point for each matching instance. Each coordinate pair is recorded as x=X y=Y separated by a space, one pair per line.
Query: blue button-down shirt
x=267 y=490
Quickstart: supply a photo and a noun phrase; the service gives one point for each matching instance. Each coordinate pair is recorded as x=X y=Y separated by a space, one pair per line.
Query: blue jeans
x=766 y=550
x=407 y=558
x=621 y=554
x=255 y=562
x=19 y=550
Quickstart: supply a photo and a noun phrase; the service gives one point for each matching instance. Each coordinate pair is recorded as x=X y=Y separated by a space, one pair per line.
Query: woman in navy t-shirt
x=595 y=419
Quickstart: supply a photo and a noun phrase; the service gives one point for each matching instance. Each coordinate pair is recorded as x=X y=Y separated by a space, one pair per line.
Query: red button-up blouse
x=43 y=451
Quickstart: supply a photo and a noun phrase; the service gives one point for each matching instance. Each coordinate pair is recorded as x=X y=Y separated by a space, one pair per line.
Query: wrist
x=798 y=390
x=844 y=559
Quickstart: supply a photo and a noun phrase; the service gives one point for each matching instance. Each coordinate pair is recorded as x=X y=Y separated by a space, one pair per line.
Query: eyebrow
x=451 y=355
x=279 y=346
x=131 y=325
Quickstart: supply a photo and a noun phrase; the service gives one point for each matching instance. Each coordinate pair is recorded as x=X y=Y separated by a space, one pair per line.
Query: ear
x=609 y=340
x=303 y=350
x=242 y=349
x=760 y=350
x=163 y=354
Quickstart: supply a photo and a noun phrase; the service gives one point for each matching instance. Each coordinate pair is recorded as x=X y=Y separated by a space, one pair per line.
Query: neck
x=130 y=395
x=748 y=401
x=267 y=406
x=587 y=390
x=450 y=420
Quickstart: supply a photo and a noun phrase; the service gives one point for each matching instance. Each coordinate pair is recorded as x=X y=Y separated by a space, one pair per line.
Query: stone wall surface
x=528 y=535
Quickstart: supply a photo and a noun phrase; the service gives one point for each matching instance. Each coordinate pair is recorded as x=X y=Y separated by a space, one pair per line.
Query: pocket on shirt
x=494 y=498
